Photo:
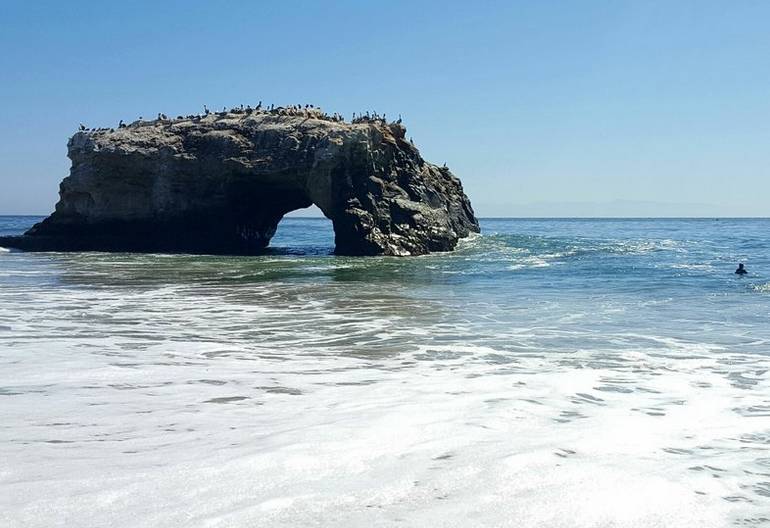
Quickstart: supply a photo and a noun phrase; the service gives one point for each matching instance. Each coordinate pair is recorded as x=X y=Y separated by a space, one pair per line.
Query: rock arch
x=222 y=182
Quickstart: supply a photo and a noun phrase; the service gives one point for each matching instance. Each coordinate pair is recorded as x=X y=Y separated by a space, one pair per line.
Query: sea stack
x=220 y=183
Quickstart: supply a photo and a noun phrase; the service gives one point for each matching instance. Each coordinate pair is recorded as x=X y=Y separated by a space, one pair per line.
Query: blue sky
x=539 y=107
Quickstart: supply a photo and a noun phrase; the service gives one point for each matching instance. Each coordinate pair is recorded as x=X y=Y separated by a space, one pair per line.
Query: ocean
x=548 y=373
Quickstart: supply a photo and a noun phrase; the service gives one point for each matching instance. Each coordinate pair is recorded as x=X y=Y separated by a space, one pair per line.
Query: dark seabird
x=82 y=126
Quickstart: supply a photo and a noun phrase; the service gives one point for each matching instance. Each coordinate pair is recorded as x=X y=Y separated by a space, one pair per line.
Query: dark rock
x=220 y=183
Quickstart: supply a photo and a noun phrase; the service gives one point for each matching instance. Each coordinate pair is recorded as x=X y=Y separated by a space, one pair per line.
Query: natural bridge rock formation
x=220 y=183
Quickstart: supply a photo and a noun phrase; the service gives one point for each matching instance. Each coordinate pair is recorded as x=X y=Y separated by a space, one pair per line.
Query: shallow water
x=548 y=373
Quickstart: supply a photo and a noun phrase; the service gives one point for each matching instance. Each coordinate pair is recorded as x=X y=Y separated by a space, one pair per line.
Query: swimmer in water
x=741 y=270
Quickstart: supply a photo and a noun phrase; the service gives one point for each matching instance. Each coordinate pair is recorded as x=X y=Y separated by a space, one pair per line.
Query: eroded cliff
x=221 y=182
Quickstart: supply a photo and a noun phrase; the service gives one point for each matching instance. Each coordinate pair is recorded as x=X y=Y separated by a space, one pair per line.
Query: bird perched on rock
x=82 y=126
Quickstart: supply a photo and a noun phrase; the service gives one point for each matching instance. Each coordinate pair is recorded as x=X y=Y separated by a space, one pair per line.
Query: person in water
x=741 y=270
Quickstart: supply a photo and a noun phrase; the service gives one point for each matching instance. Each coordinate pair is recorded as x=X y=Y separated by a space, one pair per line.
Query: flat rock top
x=230 y=125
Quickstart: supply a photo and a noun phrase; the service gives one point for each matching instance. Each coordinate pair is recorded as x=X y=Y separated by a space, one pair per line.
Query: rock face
x=220 y=183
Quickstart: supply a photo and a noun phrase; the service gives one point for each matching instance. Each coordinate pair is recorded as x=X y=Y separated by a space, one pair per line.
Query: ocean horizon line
x=29 y=215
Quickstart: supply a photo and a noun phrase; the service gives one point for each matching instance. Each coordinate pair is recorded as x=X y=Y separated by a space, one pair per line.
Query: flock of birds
x=307 y=111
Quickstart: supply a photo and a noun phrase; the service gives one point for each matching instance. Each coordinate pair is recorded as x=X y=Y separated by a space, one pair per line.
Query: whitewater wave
x=558 y=247
x=444 y=390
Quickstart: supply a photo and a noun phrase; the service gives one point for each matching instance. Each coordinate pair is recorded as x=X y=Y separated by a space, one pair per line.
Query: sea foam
x=444 y=391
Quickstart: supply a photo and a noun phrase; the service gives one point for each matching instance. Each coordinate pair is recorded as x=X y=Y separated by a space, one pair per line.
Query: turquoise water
x=547 y=373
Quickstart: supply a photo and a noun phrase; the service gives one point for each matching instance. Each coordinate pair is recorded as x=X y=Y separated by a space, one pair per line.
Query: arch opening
x=279 y=214
x=303 y=232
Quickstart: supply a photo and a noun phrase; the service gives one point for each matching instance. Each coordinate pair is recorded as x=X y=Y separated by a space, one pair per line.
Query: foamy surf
x=612 y=389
